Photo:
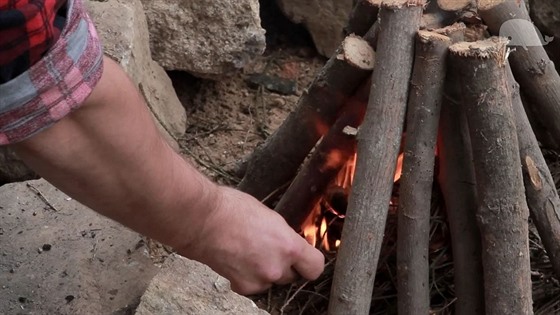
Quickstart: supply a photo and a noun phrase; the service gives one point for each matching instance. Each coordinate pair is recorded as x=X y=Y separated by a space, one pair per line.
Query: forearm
x=109 y=155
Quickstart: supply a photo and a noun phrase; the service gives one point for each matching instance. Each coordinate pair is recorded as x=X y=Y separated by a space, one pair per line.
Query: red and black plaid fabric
x=28 y=28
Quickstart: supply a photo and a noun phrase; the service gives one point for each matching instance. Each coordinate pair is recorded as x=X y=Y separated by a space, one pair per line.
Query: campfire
x=447 y=76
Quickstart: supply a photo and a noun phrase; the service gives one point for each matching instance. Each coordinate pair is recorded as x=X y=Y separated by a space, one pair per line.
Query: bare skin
x=109 y=155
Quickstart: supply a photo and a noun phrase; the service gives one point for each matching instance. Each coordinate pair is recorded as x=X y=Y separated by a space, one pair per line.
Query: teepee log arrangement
x=437 y=82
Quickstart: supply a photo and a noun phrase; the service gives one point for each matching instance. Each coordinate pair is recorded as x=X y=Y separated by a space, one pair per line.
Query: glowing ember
x=323 y=227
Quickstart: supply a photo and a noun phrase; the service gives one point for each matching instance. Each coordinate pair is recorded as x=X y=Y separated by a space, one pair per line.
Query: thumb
x=311 y=262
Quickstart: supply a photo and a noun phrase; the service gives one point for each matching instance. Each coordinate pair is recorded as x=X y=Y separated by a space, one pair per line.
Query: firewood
x=457 y=182
x=379 y=139
x=532 y=67
x=275 y=162
x=458 y=186
x=455 y=31
x=455 y=5
x=542 y=196
x=362 y=17
x=424 y=104
x=502 y=212
x=332 y=153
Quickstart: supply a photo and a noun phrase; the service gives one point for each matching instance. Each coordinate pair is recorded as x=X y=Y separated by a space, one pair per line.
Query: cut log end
x=534 y=173
x=494 y=47
x=357 y=52
x=489 y=4
x=454 y=28
x=399 y=4
x=454 y=5
x=431 y=36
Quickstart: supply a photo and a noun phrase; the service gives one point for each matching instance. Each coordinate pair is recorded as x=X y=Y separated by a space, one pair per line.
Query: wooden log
x=363 y=15
x=332 y=153
x=458 y=186
x=379 y=139
x=542 y=196
x=275 y=162
x=455 y=5
x=532 y=67
x=502 y=211
x=424 y=104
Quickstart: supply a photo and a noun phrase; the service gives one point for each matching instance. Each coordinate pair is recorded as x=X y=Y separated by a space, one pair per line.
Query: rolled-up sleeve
x=56 y=84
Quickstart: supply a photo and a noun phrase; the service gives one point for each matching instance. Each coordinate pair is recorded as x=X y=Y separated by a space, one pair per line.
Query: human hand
x=252 y=246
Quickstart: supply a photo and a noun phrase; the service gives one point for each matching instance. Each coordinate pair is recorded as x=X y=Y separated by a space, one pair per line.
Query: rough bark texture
x=277 y=160
x=362 y=17
x=378 y=146
x=326 y=162
x=530 y=63
x=502 y=210
x=458 y=186
x=424 y=104
x=542 y=196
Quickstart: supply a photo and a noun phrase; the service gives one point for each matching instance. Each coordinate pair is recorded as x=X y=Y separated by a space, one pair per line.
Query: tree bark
x=530 y=63
x=362 y=17
x=275 y=162
x=502 y=212
x=424 y=104
x=379 y=139
x=542 y=196
x=332 y=153
x=458 y=186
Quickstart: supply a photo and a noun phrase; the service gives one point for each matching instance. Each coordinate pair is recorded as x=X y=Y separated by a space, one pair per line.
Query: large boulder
x=59 y=257
x=325 y=20
x=123 y=29
x=185 y=286
x=206 y=38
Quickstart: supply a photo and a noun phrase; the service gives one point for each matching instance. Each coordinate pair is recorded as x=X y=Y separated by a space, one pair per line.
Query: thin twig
x=41 y=196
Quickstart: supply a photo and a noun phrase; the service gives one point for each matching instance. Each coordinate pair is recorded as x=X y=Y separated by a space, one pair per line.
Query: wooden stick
x=542 y=196
x=332 y=153
x=455 y=5
x=275 y=162
x=378 y=145
x=530 y=64
x=502 y=212
x=362 y=17
x=458 y=186
x=424 y=104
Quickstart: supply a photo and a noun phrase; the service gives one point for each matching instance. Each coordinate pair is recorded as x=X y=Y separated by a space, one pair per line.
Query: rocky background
x=218 y=77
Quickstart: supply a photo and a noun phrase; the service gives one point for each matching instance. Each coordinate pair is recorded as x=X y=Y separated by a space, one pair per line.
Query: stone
x=325 y=20
x=12 y=168
x=209 y=39
x=185 y=286
x=123 y=28
x=546 y=15
x=59 y=257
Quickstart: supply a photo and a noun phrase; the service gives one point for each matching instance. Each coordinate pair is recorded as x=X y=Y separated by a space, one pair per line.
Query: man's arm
x=109 y=155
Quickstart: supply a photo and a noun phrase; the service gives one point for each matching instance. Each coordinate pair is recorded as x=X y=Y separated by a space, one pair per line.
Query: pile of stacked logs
x=440 y=74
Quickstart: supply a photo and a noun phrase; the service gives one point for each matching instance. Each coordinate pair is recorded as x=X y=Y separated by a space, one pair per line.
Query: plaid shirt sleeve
x=50 y=59
x=27 y=30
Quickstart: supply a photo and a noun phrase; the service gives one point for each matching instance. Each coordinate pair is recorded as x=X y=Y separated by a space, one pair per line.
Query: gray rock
x=546 y=15
x=59 y=257
x=123 y=29
x=206 y=38
x=184 y=286
x=12 y=168
x=325 y=20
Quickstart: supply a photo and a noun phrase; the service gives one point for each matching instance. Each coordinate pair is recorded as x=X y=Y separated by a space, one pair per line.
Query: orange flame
x=316 y=228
